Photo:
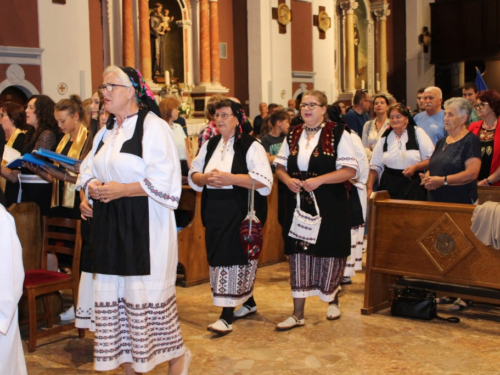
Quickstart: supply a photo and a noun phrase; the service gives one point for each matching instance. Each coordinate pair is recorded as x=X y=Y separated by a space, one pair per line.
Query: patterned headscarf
x=143 y=93
x=238 y=111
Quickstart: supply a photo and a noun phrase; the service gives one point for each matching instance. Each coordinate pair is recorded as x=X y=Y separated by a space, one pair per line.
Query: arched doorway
x=14 y=94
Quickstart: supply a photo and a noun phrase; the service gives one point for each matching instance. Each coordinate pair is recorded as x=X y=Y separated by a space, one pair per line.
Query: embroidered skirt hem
x=138 y=326
x=233 y=285
x=315 y=276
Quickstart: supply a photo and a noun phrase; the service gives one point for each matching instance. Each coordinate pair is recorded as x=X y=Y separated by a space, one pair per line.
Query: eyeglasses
x=311 y=105
x=109 y=86
x=481 y=105
x=223 y=116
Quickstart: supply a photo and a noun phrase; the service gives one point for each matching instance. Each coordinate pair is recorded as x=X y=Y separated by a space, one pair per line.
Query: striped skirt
x=232 y=285
x=315 y=276
x=355 y=260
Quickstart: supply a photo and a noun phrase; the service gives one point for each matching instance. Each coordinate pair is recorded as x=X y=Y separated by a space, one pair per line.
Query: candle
x=167 y=78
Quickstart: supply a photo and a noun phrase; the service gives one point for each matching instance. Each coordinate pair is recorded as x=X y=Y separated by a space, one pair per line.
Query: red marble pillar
x=145 y=42
x=214 y=42
x=128 y=34
x=205 y=42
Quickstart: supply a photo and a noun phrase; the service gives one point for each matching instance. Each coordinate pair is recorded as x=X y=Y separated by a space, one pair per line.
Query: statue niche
x=167 y=50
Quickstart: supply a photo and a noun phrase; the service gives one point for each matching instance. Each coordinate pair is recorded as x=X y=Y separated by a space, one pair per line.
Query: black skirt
x=223 y=218
x=401 y=187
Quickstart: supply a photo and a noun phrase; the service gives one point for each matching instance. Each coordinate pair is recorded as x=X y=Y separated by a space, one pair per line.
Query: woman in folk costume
x=318 y=157
x=357 y=198
x=224 y=170
x=133 y=177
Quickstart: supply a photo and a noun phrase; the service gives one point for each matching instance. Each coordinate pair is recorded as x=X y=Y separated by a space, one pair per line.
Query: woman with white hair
x=134 y=180
x=456 y=161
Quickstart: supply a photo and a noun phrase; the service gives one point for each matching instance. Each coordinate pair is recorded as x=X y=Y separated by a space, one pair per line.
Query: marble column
x=348 y=7
x=214 y=42
x=381 y=12
x=145 y=41
x=204 y=42
x=128 y=34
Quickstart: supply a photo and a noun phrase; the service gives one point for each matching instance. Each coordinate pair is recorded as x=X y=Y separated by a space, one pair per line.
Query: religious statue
x=165 y=28
x=156 y=28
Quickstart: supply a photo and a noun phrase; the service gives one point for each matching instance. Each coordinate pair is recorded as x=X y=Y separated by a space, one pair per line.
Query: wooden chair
x=41 y=282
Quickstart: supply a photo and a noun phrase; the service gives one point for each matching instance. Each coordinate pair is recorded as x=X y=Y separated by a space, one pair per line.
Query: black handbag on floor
x=418 y=304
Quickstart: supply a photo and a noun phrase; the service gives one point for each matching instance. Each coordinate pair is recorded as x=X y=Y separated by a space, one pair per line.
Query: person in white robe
x=11 y=289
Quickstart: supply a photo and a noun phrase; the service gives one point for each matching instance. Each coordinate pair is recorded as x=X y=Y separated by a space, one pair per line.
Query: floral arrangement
x=185 y=108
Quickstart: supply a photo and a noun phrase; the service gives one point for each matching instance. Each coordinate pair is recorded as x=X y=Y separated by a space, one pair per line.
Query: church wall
x=96 y=42
x=64 y=35
x=240 y=45
x=302 y=36
x=419 y=71
x=269 y=56
x=323 y=52
x=226 y=24
x=19 y=26
x=396 y=50
x=491 y=76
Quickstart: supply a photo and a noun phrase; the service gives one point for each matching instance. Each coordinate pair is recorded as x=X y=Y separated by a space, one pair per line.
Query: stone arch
x=25 y=86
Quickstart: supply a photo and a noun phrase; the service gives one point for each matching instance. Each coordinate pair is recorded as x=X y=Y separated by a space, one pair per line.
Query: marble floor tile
x=354 y=344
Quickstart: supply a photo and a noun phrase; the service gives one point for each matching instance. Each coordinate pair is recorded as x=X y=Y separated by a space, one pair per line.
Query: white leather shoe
x=221 y=327
x=333 y=312
x=290 y=323
x=244 y=311
x=69 y=314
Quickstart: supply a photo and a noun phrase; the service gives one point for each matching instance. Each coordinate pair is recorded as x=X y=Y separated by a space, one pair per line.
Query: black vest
x=412 y=143
x=241 y=146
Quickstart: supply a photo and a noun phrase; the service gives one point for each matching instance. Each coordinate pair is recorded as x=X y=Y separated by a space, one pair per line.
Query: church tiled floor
x=355 y=344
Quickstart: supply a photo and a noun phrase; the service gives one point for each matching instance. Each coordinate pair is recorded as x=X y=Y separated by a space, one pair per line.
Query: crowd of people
x=327 y=158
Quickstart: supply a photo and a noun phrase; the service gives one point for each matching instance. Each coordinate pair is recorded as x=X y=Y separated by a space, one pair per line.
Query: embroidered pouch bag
x=251 y=230
x=305 y=227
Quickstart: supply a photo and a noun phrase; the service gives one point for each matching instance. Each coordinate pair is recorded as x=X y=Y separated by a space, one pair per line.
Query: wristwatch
x=446 y=180
x=489 y=182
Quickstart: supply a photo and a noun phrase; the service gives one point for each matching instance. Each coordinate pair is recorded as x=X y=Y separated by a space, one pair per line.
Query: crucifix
x=283 y=14
x=322 y=21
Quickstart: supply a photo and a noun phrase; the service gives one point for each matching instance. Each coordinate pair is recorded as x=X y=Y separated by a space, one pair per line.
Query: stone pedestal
x=128 y=34
x=214 y=43
x=204 y=43
x=348 y=7
x=145 y=41
x=209 y=58
x=381 y=12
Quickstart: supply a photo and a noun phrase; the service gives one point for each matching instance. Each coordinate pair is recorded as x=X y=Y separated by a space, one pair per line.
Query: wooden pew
x=191 y=239
x=428 y=241
x=28 y=227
